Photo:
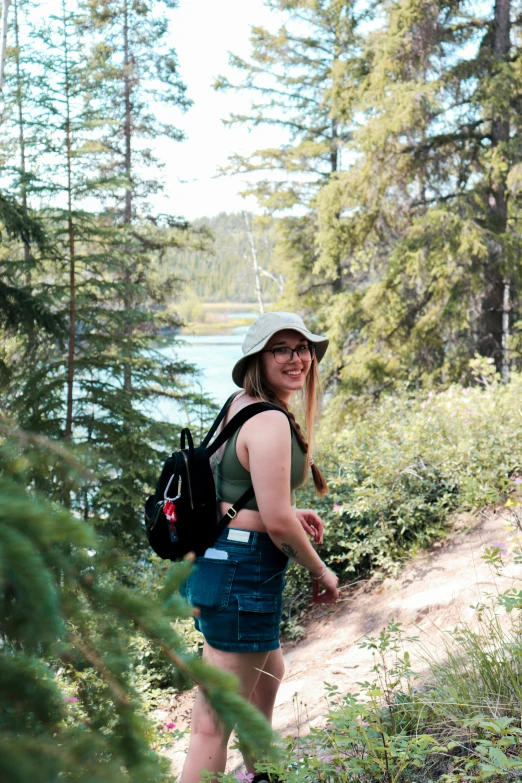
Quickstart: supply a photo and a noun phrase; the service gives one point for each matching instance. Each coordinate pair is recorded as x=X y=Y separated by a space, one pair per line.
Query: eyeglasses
x=284 y=355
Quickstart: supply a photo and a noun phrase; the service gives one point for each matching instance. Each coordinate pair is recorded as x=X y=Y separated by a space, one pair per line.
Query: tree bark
x=127 y=213
x=21 y=134
x=71 y=236
x=3 y=47
x=337 y=283
x=493 y=303
x=500 y=126
x=255 y=265
x=505 y=333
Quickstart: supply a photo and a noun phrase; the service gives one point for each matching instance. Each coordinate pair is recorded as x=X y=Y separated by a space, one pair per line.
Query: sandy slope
x=433 y=592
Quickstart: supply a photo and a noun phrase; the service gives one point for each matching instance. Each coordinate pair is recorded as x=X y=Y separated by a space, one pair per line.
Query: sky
x=203 y=32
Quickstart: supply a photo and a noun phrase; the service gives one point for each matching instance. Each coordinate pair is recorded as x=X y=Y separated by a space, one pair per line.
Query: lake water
x=214 y=355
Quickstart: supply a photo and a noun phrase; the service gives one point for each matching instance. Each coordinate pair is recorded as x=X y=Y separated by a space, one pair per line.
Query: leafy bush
x=398 y=470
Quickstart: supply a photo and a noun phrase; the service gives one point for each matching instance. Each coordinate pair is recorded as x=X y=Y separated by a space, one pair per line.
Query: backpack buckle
x=231 y=512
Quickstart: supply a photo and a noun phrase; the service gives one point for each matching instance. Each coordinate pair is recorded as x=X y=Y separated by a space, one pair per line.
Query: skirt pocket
x=258 y=617
x=209 y=585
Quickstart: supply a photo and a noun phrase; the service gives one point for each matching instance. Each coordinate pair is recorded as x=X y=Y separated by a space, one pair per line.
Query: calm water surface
x=214 y=356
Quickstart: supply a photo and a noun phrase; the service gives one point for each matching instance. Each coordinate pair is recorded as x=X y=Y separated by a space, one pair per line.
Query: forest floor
x=433 y=593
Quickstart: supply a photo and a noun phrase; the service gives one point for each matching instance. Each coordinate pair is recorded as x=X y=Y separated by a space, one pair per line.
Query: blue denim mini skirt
x=237 y=586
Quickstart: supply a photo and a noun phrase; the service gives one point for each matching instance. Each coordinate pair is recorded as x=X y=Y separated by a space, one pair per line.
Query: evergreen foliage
x=69 y=703
x=295 y=75
x=69 y=104
x=22 y=309
x=407 y=250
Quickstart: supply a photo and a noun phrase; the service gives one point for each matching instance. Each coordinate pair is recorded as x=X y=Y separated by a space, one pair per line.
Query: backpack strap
x=238 y=420
x=232 y=511
x=233 y=425
x=221 y=415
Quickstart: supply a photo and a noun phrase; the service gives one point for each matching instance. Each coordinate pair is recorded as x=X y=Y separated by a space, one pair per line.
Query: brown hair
x=256 y=386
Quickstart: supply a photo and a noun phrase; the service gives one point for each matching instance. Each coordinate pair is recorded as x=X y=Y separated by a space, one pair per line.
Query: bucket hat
x=263 y=329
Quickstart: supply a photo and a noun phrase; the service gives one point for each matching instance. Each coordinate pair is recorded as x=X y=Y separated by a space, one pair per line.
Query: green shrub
x=398 y=470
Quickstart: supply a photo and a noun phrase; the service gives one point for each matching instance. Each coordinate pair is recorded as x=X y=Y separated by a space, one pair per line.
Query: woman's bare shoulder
x=266 y=422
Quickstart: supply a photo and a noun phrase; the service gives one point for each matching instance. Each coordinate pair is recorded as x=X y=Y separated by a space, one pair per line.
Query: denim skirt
x=237 y=586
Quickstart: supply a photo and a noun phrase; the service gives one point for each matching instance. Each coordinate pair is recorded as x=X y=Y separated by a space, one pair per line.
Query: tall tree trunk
x=127 y=213
x=500 y=129
x=71 y=234
x=337 y=283
x=505 y=333
x=255 y=265
x=21 y=135
x=3 y=44
x=493 y=305
x=31 y=337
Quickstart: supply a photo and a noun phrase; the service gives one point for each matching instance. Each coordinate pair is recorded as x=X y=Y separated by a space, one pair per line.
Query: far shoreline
x=221 y=318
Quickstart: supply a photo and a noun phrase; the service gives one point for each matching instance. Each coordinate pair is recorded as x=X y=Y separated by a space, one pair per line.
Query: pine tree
x=70 y=703
x=29 y=307
x=301 y=77
x=22 y=310
x=427 y=227
x=104 y=279
x=295 y=76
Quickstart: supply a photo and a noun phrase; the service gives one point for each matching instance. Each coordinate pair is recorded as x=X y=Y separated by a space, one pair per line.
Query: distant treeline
x=223 y=270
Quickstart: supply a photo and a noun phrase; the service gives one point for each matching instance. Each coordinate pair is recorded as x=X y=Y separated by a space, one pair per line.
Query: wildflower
x=169 y=725
x=501 y=546
x=517 y=480
x=244 y=777
x=70 y=698
x=336 y=507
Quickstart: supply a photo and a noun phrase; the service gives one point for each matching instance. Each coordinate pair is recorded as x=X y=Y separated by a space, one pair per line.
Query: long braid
x=255 y=387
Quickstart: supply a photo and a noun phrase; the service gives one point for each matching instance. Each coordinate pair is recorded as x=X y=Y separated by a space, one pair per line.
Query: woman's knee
x=275 y=665
x=207 y=725
x=205 y=722
x=280 y=669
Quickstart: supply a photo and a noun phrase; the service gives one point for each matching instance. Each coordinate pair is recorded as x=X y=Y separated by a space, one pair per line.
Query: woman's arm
x=268 y=441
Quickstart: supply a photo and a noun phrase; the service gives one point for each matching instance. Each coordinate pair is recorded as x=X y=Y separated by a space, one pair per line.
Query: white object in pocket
x=216 y=554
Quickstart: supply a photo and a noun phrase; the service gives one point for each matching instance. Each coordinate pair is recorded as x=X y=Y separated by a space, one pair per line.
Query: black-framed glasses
x=284 y=354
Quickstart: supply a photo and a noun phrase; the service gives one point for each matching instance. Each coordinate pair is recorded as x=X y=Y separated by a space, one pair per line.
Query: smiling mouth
x=293 y=373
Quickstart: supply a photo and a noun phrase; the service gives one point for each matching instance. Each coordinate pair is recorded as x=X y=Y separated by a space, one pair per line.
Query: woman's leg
x=265 y=691
x=208 y=742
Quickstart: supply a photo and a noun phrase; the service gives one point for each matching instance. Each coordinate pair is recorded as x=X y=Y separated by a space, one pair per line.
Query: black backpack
x=182 y=515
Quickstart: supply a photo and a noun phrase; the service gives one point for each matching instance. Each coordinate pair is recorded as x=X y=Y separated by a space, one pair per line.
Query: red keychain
x=169 y=509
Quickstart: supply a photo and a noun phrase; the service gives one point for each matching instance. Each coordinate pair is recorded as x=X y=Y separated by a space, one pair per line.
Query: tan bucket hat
x=263 y=329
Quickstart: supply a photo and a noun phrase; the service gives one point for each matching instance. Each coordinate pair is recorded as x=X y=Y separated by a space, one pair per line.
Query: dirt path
x=434 y=592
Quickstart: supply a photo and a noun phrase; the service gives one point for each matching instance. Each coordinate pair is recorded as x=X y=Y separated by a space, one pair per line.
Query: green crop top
x=232 y=479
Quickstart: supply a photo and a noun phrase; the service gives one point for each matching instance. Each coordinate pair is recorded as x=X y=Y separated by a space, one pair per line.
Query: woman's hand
x=331 y=592
x=311 y=523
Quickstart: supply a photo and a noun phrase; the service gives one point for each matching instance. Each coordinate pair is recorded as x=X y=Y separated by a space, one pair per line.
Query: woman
x=238 y=584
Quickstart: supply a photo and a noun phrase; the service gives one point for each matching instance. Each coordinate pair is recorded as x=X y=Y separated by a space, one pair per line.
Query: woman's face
x=290 y=377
